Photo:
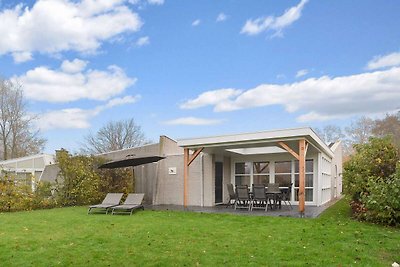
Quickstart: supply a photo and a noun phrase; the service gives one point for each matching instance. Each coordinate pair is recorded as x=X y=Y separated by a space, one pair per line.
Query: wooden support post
x=185 y=174
x=302 y=175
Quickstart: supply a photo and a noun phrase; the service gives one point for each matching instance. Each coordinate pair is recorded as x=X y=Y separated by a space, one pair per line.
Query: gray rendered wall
x=209 y=180
x=338 y=161
x=144 y=180
x=200 y=181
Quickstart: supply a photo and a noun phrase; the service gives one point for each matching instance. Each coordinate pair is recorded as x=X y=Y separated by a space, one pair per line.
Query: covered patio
x=296 y=157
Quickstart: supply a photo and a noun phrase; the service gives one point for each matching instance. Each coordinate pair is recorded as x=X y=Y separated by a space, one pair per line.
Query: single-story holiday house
x=196 y=171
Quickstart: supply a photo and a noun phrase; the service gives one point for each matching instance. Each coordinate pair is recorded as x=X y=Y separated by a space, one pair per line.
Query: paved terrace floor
x=285 y=211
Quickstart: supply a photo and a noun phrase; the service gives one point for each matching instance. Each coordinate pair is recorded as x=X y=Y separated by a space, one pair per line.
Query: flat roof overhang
x=218 y=144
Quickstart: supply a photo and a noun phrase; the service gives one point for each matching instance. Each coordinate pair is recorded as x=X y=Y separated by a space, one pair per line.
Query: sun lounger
x=132 y=202
x=111 y=200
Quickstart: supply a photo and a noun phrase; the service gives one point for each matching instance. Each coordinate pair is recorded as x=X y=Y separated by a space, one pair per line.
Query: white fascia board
x=37 y=156
x=262 y=137
x=22 y=170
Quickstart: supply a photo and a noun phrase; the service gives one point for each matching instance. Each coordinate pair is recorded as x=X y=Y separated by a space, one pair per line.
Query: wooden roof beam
x=288 y=149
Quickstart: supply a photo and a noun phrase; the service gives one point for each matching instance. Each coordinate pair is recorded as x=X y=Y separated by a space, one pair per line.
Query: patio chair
x=260 y=198
x=232 y=195
x=111 y=200
x=243 y=199
x=132 y=202
x=286 y=194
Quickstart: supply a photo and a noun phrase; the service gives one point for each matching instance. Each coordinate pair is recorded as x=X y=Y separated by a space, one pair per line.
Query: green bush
x=80 y=183
x=83 y=183
x=382 y=202
x=372 y=179
x=377 y=158
x=42 y=197
x=16 y=195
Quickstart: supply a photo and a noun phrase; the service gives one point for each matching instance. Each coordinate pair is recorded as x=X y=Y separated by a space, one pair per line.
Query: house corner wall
x=209 y=180
x=337 y=169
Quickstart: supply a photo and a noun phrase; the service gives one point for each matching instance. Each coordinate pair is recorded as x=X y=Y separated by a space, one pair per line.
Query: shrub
x=382 y=202
x=42 y=197
x=14 y=195
x=377 y=158
x=80 y=183
x=83 y=183
x=372 y=179
x=17 y=195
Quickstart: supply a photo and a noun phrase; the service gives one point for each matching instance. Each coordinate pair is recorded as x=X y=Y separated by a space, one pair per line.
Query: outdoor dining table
x=276 y=197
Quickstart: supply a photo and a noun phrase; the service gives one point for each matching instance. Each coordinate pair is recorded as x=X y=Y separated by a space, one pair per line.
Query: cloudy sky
x=197 y=68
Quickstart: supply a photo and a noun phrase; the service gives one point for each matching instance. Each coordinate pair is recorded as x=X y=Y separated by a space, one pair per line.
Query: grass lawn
x=70 y=237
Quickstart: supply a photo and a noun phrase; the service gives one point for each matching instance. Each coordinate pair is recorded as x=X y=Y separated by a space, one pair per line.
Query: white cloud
x=211 y=98
x=196 y=22
x=20 y=57
x=122 y=101
x=221 y=17
x=192 y=121
x=301 y=73
x=61 y=25
x=76 y=118
x=276 y=24
x=72 y=82
x=321 y=98
x=155 y=2
x=143 y=41
x=380 y=62
x=74 y=66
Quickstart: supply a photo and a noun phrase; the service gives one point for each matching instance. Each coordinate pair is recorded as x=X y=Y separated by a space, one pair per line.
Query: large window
x=242 y=173
x=261 y=173
x=248 y=173
x=309 y=182
x=283 y=173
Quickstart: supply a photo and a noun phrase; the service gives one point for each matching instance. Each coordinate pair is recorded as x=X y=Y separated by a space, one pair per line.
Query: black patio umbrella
x=130 y=162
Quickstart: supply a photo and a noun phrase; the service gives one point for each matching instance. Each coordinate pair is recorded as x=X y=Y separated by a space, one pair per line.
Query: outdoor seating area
x=261 y=196
x=112 y=202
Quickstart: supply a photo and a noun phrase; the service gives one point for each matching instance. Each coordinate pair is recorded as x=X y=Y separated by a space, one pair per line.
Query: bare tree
x=115 y=135
x=330 y=133
x=17 y=131
x=360 y=130
x=390 y=125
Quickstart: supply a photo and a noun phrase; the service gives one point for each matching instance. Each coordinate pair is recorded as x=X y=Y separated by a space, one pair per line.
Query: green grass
x=70 y=237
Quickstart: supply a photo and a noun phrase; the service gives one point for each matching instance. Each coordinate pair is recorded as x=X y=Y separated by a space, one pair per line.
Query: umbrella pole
x=133 y=180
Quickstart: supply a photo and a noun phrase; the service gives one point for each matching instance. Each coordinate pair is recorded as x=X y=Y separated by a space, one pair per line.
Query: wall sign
x=172 y=170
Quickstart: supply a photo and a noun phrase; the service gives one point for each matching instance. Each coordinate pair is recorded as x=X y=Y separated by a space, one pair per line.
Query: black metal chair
x=243 y=199
x=232 y=195
x=260 y=198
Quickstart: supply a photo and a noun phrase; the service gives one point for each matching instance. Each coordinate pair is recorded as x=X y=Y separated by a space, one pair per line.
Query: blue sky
x=197 y=68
